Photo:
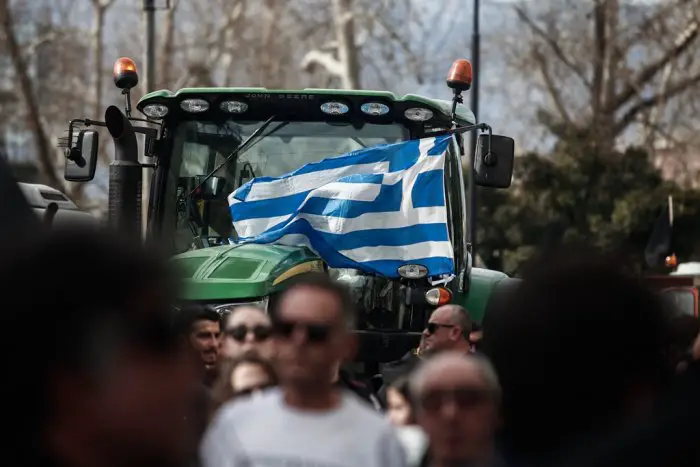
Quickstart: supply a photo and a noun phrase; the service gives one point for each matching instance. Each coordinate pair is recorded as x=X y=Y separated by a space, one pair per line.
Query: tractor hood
x=240 y=271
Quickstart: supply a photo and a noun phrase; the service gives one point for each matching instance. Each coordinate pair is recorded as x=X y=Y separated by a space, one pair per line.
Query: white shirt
x=265 y=432
x=414 y=442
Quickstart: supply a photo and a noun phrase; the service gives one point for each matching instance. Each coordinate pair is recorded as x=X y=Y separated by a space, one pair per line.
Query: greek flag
x=374 y=210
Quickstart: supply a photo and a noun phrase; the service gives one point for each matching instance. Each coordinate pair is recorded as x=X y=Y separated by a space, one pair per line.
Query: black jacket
x=360 y=387
x=393 y=370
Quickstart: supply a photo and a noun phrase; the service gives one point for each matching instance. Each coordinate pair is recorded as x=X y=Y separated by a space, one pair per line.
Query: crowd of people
x=580 y=365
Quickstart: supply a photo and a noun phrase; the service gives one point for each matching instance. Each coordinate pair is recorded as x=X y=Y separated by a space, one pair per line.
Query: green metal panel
x=235 y=272
x=482 y=284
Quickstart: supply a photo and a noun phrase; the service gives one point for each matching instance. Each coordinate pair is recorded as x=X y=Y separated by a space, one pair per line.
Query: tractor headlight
x=418 y=114
x=413 y=271
x=155 y=111
x=194 y=106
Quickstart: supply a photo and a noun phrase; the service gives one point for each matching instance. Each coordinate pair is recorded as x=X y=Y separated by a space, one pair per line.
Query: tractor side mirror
x=82 y=158
x=683 y=300
x=493 y=161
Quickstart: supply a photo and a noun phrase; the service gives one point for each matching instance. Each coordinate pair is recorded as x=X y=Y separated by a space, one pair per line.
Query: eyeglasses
x=253 y=389
x=239 y=333
x=315 y=333
x=433 y=327
x=463 y=398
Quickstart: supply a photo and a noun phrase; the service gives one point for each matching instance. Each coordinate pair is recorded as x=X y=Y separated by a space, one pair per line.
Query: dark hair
x=63 y=286
x=191 y=313
x=568 y=344
x=320 y=281
x=222 y=391
x=401 y=385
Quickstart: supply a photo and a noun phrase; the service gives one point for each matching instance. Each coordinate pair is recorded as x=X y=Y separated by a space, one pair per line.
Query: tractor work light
x=195 y=106
x=413 y=271
x=334 y=108
x=155 y=111
x=438 y=296
x=418 y=114
x=125 y=74
x=375 y=108
x=460 y=76
x=233 y=107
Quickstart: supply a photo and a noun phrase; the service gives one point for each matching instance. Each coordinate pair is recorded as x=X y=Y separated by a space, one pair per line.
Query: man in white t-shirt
x=308 y=421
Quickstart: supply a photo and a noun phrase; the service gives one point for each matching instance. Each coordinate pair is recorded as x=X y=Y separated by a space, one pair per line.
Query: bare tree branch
x=43 y=147
x=671 y=91
x=551 y=86
x=552 y=44
x=324 y=59
x=345 y=63
x=683 y=42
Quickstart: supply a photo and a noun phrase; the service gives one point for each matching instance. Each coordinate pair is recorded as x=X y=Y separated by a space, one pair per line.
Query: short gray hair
x=488 y=373
x=461 y=318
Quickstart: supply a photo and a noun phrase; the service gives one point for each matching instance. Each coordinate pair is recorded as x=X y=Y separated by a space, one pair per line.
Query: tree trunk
x=41 y=140
x=347 y=49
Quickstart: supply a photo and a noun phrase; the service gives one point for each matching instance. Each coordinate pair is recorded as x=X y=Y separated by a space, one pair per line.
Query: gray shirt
x=264 y=431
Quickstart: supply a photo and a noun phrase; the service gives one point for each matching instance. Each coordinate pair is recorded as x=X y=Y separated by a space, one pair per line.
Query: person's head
x=248 y=330
x=312 y=322
x=202 y=326
x=398 y=401
x=243 y=376
x=106 y=370
x=578 y=344
x=456 y=398
x=448 y=329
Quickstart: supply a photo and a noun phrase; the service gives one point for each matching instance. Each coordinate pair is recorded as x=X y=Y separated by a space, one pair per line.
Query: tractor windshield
x=198 y=147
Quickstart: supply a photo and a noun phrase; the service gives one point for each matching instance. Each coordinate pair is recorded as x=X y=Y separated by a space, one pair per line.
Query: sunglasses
x=253 y=389
x=315 y=333
x=239 y=333
x=463 y=398
x=433 y=327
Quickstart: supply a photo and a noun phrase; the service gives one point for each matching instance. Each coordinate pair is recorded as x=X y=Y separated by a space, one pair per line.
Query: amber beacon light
x=460 y=75
x=125 y=73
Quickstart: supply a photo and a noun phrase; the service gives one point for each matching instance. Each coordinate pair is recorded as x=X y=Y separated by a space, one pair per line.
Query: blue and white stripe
x=374 y=210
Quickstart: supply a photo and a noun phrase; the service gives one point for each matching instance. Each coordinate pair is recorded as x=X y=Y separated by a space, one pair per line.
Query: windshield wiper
x=246 y=144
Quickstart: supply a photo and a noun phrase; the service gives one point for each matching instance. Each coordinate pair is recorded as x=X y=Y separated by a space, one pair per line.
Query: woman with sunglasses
x=248 y=329
x=242 y=377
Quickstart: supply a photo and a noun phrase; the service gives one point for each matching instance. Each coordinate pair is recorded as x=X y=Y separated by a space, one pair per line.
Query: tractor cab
x=204 y=143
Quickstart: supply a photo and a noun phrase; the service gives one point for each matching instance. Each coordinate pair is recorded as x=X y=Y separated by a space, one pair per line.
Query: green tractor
x=206 y=142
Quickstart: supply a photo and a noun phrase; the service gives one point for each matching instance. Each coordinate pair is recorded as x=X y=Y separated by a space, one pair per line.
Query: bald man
x=248 y=330
x=456 y=398
x=448 y=329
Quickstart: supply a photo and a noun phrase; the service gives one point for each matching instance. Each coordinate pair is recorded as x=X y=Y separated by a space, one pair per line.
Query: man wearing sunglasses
x=448 y=329
x=248 y=330
x=308 y=420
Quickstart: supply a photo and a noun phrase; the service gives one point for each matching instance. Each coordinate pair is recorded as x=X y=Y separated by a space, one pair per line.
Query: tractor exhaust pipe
x=125 y=177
